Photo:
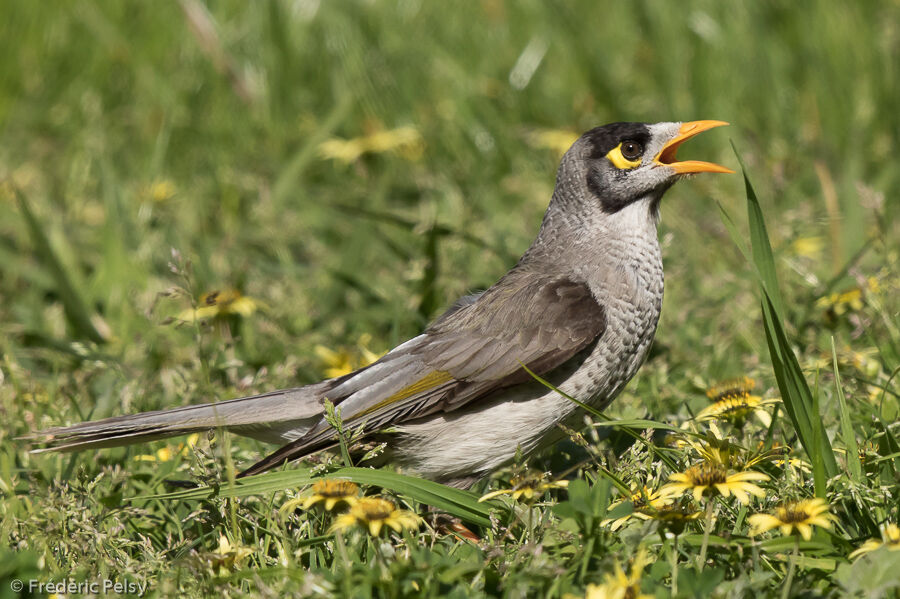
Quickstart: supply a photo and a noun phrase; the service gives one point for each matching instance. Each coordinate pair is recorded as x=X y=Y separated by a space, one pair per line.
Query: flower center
x=335 y=488
x=706 y=474
x=526 y=481
x=737 y=406
x=376 y=509
x=790 y=514
x=739 y=387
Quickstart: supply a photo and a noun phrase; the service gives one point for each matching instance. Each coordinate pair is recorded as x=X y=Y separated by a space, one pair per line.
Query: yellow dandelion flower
x=345 y=360
x=868 y=453
x=406 y=141
x=718 y=451
x=330 y=491
x=795 y=464
x=645 y=504
x=837 y=304
x=890 y=538
x=558 y=140
x=620 y=585
x=808 y=247
x=736 y=408
x=799 y=516
x=708 y=478
x=228 y=556
x=873 y=285
x=160 y=191
x=731 y=387
x=674 y=517
x=335 y=363
x=219 y=304
x=168 y=453
x=373 y=514
x=778 y=455
x=528 y=485
x=675 y=440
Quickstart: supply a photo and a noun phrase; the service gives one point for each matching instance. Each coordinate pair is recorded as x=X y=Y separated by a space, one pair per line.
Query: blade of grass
x=798 y=400
x=818 y=464
x=597 y=413
x=75 y=309
x=456 y=502
x=760 y=246
x=847 y=434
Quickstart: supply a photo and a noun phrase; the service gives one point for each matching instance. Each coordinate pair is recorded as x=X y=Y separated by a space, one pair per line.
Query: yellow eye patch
x=619 y=161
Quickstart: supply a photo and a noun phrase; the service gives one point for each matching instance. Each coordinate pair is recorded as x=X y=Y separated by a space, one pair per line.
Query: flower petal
x=375 y=527
x=311 y=501
x=493 y=494
x=698 y=493
x=761 y=523
x=342 y=522
x=747 y=475
x=740 y=494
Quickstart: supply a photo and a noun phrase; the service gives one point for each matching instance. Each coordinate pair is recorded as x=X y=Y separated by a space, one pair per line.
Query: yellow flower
x=795 y=464
x=808 y=247
x=167 y=453
x=730 y=387
x=331 y=491
x=228 y=556
x=710 y=478
x=798 y=515
x=344 y=360
x=619 y=585
x=645 y=504
x=675 y=517
x=160 y=191
x=558 y=140
x=404 y=140
x=837 y=304
x=720 y=451
x=528 y=485
x=736 y=408
x=373 y=513
x=890 y=538
x=868 y=453
x=219 y=304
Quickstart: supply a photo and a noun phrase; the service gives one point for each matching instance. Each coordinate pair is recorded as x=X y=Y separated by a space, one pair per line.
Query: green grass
x=144 y=163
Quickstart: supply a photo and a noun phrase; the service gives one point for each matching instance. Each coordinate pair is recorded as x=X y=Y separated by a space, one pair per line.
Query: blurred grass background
x=180 y=145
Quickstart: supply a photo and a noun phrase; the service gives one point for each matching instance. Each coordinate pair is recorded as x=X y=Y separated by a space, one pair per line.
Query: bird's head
x=623 y=163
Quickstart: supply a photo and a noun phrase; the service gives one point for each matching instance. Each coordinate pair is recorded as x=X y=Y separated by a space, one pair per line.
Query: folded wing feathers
x=477 y=346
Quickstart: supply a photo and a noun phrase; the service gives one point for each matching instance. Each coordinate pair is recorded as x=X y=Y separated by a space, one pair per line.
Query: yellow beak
x=688 y=130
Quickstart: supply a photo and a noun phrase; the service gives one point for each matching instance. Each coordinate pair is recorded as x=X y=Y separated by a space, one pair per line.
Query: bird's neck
x=591 y=236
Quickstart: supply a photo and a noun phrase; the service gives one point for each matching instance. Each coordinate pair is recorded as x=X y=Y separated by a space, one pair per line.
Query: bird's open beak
x=688 y=130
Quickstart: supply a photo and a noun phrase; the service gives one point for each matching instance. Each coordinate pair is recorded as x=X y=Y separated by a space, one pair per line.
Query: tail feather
x=277 y=416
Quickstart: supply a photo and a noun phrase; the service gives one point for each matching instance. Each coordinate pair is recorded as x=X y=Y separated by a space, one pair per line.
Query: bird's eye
x=632 y=150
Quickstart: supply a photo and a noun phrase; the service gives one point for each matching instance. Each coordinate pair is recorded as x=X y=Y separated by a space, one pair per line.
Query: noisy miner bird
x=579 y=309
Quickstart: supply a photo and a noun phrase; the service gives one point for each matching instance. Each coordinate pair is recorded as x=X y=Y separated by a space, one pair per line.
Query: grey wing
x=469 y=352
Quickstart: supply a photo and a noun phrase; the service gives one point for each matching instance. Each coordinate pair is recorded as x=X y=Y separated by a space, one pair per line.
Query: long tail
x=274 y=417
